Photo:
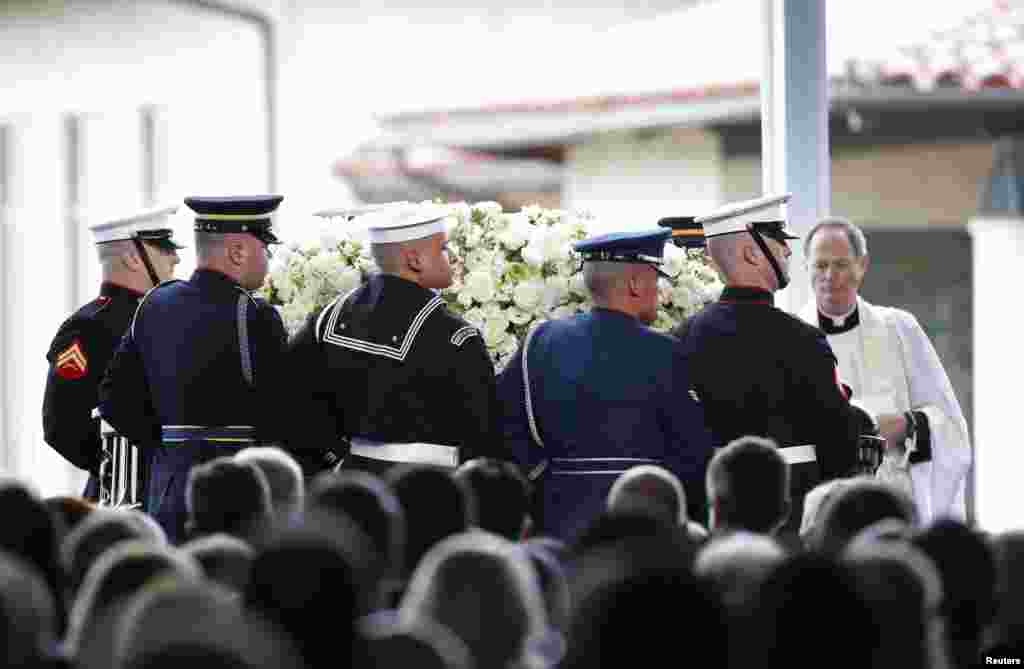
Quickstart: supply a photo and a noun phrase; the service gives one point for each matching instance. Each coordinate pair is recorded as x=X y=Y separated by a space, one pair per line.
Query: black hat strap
x=145 y=260
x=782 y=278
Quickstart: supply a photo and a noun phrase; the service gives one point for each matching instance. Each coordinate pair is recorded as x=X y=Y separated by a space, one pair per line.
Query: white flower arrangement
x=511 y=270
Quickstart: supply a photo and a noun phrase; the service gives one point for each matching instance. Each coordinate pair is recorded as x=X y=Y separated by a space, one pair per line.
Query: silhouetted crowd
x=429 y=567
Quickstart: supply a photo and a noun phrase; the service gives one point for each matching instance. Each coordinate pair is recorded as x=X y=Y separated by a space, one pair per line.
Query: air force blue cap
x=253 y=214
x=645 y=247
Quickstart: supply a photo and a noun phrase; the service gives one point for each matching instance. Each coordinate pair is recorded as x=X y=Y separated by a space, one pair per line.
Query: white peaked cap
x=736 y=216
x=404 y=223
x=130 y=227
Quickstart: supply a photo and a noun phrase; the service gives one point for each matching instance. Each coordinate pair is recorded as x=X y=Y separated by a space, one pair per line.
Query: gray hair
x=603 y=277
x=208 y=244
x=854 y=235
x=108 y=252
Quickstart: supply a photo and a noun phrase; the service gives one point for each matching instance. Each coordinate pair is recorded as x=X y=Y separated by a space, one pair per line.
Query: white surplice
x=891 y=365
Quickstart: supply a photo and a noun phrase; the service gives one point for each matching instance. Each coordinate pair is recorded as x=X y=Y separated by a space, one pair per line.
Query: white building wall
x=631 y=179
x=101 y=63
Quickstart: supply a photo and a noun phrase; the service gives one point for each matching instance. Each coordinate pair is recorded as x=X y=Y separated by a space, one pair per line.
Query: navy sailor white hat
x=405 y=222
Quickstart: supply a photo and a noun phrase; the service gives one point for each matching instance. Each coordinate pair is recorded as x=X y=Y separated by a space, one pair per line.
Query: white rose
x=577 y=286
x=556 y=289
x=527 y=294
x=508 y=347
x=495 y=331
x=346 y=279
x=282 y=283
x=518 y=316
x=464 y=298
x=475 y=317
x=564 y=311
x=479 y=284
x=516 y=232
x=488 y=208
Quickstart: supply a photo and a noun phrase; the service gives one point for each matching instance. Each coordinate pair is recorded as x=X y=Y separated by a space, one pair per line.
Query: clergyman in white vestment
x=893 y=370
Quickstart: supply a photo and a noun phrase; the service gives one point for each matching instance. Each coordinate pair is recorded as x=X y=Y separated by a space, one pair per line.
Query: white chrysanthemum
x=480 y=286
x=463 y=297
x=509 y=346
x=281 y=281
x=527 y=295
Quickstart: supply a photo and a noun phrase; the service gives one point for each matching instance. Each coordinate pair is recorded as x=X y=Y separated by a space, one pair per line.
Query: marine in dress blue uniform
x=761 y=371
x=85 y=342
x=200 y=369
x=389 y=367
x=587 y=397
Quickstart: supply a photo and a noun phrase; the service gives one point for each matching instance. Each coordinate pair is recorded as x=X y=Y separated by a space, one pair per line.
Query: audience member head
x=548 y=558
x=435 y=504
x=30 y=532
x=902 y=588
x=1008 y=626
x=649 y=489
x=423 y=644
x=120 y=573
x=227 y=495
x=615 y=590
x=814 y=501
x=185 y=621
x=69 y=511
x=223 y=558
x=28 y=622
x=100 y=530
x=304 y=572
x=857 y=504
x=748 y=487
x=457 y=584
x=967 y=566
x=734 y=564
x=613 y=528
x=283 y=474
x=501 y=493
x=787 y=625
x=368 y=502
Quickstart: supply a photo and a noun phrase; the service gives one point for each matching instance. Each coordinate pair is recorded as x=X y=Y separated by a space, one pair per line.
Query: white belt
x=796 y=455
x=413 y=453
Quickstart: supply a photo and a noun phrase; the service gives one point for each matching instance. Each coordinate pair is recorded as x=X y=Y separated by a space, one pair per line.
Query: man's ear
x=413 y=259
x=237 y=253
x=752 y=254
x=635 y=284
x=132 y=261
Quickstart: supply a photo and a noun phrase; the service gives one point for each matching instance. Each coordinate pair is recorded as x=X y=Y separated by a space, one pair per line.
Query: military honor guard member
x=892 y=367
x=200 y=369
x=586 y=398
x=136 y=253
x=760 y=371
x=388 y=366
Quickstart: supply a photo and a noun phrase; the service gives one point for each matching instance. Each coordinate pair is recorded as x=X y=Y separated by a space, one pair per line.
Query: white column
x=998 y=244
x=794 y=123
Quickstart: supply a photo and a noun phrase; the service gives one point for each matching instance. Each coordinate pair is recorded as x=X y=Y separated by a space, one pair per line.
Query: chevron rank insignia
x=72 y=363
x=694 y=396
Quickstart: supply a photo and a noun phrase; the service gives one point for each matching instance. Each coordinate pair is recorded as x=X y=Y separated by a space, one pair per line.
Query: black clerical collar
x=746 y=295
x=833 y=325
